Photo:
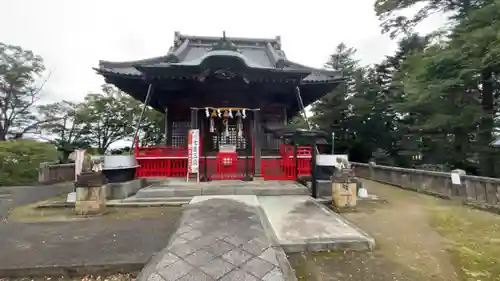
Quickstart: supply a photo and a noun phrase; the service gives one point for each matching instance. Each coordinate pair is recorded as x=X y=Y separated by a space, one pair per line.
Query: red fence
x=278 y=169
x=161 y=167
x=177 y=167
x=304 y=157
x=171 y=161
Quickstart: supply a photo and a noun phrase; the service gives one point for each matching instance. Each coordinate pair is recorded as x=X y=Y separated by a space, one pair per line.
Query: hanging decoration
x=212 y=121
x=239 y=124
x=226 y=123
x=225 y=113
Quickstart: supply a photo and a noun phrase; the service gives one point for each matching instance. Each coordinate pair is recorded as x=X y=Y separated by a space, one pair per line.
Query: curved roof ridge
x=277 y=39
x=215 y=53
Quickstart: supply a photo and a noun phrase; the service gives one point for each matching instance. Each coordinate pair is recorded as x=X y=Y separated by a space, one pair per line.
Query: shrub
x=20 y=160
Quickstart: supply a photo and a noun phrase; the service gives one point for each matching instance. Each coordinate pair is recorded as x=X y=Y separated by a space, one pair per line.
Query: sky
x=72 y=36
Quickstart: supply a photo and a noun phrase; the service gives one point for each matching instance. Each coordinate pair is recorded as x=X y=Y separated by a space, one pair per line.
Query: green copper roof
x=200 y=52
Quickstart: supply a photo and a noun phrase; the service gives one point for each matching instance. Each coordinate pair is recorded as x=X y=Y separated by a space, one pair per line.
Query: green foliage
x=20 y=160
x=99 y=121
x=19 y=71
x=113 y=115
x=434 y=102
x=107 y=117
x=66 y=128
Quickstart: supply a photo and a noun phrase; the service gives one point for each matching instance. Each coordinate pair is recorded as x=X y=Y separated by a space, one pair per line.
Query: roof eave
x=277 y=39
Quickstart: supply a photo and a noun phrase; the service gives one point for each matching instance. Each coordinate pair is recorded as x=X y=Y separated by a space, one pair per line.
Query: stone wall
x=481 y=191
x=50 y=173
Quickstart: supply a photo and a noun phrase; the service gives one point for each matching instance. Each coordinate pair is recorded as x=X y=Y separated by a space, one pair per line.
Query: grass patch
x=299 y=264
x=30 y=213
x=473 y=238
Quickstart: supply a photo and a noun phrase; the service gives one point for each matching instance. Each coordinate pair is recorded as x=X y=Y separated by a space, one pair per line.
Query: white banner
x=79 y=157
x=194 y=154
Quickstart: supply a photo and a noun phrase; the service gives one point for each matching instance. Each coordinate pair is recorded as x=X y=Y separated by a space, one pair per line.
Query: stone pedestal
x=344 y=189
x=90 y=200
x=90 y=194
x=123 y=190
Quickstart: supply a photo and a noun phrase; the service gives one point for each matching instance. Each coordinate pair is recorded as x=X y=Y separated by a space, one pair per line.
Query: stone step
x=121 y=203
x=158 y=199
x=158 y=191
x=155 y=201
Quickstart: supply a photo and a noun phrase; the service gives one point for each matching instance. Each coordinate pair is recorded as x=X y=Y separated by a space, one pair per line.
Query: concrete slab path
x=301 y=224
x=83 y=247
x=220 y=238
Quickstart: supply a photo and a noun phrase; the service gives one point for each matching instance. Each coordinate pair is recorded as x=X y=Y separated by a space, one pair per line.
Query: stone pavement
x=84 y=246
x=13 y=196
x=219 y=239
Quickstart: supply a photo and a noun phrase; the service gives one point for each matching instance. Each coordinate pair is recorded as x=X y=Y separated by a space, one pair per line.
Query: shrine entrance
x=229 y=127
x=227 y=143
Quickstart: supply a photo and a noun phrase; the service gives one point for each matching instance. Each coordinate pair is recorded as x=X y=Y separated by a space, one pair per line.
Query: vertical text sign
x=194 y=151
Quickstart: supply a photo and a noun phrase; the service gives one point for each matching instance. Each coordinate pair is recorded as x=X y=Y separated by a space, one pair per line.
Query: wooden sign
x=193 y=153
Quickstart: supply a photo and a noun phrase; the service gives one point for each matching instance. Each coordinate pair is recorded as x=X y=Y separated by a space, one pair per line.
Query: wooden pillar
x=285 y=120
x=169 y=125
x=257 y=145
x=166 y=126
x=194 y=119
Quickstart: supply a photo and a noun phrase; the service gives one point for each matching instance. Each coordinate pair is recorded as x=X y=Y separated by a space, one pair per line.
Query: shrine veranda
x=233 y=90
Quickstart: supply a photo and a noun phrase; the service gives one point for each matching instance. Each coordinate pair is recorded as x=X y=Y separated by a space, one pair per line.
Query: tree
x=356 y=110
x=152 y=126
x=19 y=71
x=112 y=116
x=395 y=23
x=66 y=130
x=330 y=113
x=401 y=142
x=462 y=71
x=102 y=119
x=106 y=117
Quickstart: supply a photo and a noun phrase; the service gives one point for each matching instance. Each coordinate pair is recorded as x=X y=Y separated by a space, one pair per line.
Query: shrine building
x=231 y=89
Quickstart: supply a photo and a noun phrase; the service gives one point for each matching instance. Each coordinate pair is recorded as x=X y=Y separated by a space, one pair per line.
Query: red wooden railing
x=161 y=167
x=304 y=157
x=161 y=161
x=278 y=169
x=159 y=151
x=171 y=161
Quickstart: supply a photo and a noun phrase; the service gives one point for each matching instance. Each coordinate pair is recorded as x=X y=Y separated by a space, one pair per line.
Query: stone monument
x=344 y=189
x=90 y=190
